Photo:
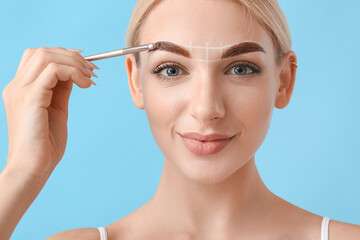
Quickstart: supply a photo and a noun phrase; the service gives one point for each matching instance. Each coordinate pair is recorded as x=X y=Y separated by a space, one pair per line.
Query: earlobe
x=287 y=80
x=134 y=81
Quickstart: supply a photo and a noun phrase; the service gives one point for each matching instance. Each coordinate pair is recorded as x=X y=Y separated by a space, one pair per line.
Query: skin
x=219 y=196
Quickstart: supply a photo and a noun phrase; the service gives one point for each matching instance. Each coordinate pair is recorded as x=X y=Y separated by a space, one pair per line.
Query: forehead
x=202 y=23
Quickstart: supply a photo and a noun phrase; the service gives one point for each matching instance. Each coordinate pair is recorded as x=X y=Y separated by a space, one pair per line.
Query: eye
x=168 y=70
x=244 y=68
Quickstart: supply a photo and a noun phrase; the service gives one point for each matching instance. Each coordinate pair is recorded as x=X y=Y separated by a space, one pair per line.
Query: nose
x=206 y=100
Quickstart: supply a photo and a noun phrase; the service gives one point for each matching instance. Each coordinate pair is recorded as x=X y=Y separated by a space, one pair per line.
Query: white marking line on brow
x=207 y=55
x=221 y=50
x=202 y=47
x=191 y=48
x=207 y=61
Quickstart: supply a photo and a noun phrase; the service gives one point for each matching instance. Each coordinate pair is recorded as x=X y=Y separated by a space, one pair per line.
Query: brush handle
x=119 y=52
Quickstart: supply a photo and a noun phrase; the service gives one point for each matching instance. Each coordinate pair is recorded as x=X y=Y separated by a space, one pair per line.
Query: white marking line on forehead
x=221 y=50
x=207 y=61
x=191 y=48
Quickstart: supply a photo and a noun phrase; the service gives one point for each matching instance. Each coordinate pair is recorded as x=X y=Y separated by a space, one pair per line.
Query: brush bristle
x=154 y=46
x=157 y=45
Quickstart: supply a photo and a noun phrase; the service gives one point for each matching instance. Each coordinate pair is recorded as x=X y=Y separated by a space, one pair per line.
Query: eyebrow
x=241 y=48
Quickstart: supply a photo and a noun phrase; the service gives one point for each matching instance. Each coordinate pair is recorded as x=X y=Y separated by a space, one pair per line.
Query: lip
x=205 y=144
x=209 y=137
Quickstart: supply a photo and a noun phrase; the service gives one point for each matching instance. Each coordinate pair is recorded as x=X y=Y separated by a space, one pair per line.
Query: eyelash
x=254 y=69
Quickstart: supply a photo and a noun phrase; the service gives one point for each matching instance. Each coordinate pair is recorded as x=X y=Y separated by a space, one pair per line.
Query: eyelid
x=165 y=65
x=254 y=67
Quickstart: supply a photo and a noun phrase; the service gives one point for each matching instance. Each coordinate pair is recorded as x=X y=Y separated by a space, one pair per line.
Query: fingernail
x=92 y=82
x=94 y=75
x=93 y=65
x=76 y=50
x=90 y=72
x=89 y=65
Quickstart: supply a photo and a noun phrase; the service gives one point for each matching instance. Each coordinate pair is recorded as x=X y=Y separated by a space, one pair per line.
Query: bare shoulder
x=308 y=225
x=79 y=234
x=341 y=230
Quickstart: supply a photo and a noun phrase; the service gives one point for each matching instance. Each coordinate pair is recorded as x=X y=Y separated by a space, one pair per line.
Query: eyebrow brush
x=124 y=51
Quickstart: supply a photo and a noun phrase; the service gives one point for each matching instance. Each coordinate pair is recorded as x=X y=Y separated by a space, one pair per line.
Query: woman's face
x=203 y=92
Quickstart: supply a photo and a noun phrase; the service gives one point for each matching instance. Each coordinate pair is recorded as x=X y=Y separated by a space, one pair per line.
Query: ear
x=134 y=81
x=286 y=80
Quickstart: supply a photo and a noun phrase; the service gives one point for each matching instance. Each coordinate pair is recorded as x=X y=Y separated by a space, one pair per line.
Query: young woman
x=209 y=92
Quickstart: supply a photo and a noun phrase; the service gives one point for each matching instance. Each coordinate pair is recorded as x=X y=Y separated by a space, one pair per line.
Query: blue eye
x=244 y=68
x=170 y=70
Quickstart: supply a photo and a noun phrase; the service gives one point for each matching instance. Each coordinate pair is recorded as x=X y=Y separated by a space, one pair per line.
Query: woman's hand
x=36 y=103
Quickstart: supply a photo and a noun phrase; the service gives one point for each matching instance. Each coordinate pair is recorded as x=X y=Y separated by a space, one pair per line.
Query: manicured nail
x=93 y=65
x=92 y=82
x=94 y=75
x=90 y=72
x=89 y=65
x=75 y=50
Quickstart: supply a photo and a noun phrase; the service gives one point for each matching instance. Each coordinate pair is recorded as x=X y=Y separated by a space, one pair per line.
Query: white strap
x=325 y=228
x=103 y=233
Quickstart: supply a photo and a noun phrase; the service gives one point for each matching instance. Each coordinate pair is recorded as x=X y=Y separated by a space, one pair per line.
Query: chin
x=206 y=171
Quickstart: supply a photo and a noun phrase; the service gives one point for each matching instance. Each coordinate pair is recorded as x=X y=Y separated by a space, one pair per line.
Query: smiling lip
x=205 y=144
x=209 y=137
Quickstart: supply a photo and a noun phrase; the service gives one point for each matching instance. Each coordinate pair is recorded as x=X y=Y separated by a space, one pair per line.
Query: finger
x=29 y=52
x=44 y=85
x=43 y=56
x=25 y=57
x=75 y=50
x=88 y=64
x=61 y=96
x=92 y=65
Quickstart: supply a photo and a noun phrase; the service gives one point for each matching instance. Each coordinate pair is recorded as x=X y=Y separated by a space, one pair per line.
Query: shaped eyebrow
x=241 y=48
x=171 y=47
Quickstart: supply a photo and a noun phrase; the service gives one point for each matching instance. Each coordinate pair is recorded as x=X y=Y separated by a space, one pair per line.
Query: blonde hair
x=267 y=12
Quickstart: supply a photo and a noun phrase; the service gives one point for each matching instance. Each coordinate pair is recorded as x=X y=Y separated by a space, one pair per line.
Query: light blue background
x=112 y=164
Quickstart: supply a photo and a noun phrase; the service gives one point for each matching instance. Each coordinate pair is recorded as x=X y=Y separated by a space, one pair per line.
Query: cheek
x=162 y=106
x=253 y=107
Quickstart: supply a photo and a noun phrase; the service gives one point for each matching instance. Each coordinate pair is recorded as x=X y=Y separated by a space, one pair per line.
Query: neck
x=196 y=207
